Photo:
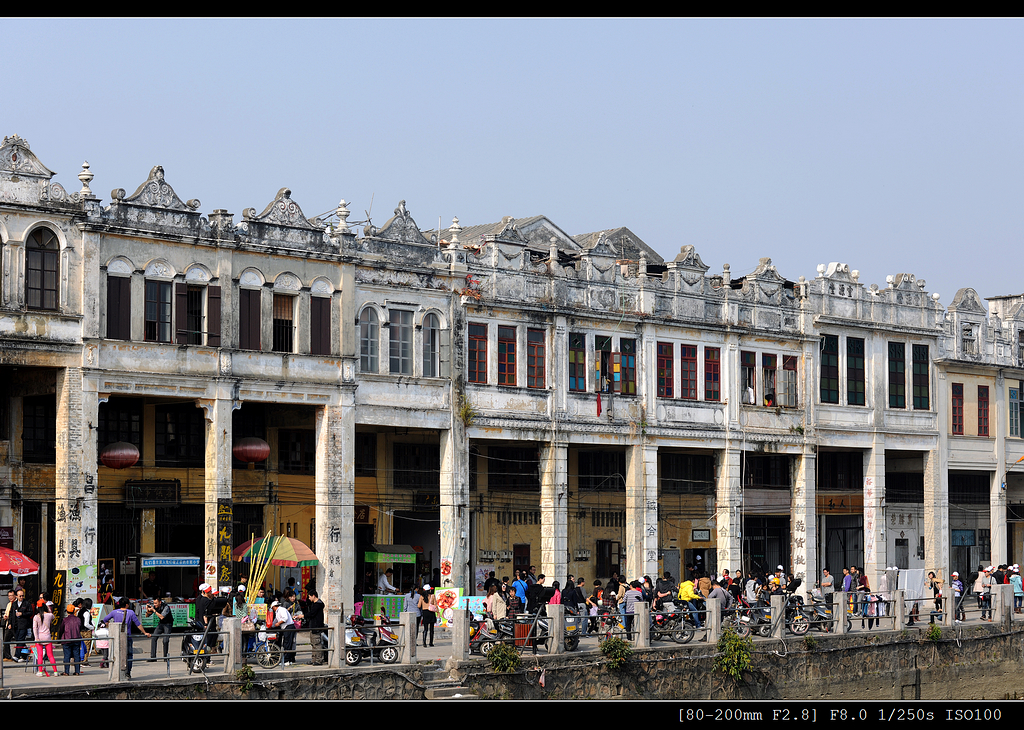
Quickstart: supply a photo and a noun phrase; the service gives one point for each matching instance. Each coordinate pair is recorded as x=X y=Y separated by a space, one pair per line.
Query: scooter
x=194 y=649
x=822 y=617
x=481 y=638
x=368 y=642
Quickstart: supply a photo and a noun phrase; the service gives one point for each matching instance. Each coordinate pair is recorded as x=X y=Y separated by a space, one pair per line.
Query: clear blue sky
x=891 y=145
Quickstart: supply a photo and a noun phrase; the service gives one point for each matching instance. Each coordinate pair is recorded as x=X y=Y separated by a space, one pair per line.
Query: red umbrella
x=14 y=563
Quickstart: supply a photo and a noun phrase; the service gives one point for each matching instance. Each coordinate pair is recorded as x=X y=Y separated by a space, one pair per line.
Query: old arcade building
x=496 y=396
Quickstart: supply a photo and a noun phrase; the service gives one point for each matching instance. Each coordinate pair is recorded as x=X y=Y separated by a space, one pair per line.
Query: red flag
x=599 y=403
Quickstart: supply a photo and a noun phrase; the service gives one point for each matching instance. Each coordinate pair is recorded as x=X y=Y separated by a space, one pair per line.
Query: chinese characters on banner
x=224 y=543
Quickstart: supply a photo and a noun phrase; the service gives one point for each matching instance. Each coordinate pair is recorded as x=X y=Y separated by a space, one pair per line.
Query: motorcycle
x=822 y=617
x=481 y=638
x=571 y=632
x=665 y=622
x=370 y=642
x=796 y=620
x=194 y=649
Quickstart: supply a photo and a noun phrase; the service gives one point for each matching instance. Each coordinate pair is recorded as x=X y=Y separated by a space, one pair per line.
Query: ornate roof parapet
x=282 y=223
x=687 y=271
x=155 y=192
x=155 y=206
x=764 y=284
x=400 y=228
x=24 y=179
x=837 y=280
x=17 y=161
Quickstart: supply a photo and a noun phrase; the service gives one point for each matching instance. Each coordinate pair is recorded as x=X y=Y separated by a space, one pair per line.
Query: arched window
x=41 y=268
x=369 y=331
x=431 y=346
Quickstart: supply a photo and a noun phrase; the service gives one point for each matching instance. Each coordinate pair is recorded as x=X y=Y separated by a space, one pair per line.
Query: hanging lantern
x=120 y=455
x=251 y=450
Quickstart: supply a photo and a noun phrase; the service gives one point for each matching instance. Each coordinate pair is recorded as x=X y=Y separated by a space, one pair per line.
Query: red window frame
x=712 y=373
x=627 y=360
x=535 y=359
x=666 y=367
x=506 y=355
x=748 y=376
x=477 y=356
x=983 y=410
x=957 y=404
x=688 y=372
x=577 y=362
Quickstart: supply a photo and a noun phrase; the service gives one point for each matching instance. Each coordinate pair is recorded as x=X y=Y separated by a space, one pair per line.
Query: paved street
x=143 y=670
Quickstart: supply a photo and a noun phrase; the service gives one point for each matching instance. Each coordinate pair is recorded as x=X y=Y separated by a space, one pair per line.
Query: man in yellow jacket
x=687 y=596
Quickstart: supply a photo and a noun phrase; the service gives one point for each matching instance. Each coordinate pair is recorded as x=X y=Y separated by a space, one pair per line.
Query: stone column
x=803 y=516
x=554 y=511
x=641 y=510
x=728 y=517
x=335 y=507
x=840 y=601
x=76 y=514
x=778 y=616
x=997 y=493
x=936 y=513
x=455 y=506
x=874 y=515
x=714 y=620
x=899 y=610
x=217 y=537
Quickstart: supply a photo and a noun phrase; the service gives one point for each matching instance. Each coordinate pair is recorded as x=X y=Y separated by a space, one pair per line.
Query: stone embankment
x=976 y=663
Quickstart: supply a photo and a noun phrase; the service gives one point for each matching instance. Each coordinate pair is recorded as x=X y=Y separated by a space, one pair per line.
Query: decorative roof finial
x=454 y=228
x=86 y=177
x=343 y=213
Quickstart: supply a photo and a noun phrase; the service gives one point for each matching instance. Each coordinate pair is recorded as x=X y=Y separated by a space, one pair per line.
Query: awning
x=167 y=560
x=391 y=554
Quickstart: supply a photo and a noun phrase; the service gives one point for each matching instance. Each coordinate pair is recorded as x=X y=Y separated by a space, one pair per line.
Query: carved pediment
x=282 y=223
x=400 y=228
x=838 y=272
x=967 y=300
x=688 y=258
x=282 y=211
x=17 y=160
x=155 y=192
x=906 y=282
x=510 y=234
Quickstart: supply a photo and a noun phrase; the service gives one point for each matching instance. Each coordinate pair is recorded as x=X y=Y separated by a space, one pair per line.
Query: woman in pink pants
x=41 y=630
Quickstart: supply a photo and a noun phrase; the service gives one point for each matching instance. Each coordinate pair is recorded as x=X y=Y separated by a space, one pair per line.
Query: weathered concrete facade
x=507 y=396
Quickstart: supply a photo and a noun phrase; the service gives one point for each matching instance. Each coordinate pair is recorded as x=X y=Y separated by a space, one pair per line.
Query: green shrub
x=934 y=632
x=616 y=651
x=733 y=654
x=504 y=658
x=245 y=675
x=810 y=642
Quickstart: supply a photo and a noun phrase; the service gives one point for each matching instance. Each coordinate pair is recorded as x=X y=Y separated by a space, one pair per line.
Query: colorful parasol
x=286 y=552
x=14 y=563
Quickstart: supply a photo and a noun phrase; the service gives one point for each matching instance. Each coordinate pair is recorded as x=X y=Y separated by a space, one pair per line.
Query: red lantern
x=120 y=455
x=251 y=450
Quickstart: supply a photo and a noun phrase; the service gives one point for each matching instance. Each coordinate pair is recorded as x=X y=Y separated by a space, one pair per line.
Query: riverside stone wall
x=980 y=663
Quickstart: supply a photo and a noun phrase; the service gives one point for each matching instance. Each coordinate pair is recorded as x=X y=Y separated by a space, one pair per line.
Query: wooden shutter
x=181 y=312
x=320 y=326
x=249 y=319
x=445 y=354
x=119 y=308
x=213 y=316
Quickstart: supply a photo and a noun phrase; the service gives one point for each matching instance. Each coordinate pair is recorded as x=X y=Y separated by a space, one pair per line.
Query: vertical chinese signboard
x=224 y=543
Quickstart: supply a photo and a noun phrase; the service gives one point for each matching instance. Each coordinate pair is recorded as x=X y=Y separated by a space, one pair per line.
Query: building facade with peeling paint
x=507 y=397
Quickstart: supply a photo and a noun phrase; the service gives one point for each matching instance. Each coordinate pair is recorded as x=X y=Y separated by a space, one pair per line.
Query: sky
x=891 y=145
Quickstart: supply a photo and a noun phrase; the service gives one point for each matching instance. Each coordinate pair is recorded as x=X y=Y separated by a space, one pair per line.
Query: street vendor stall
x=402 y=560
x=174 y=573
